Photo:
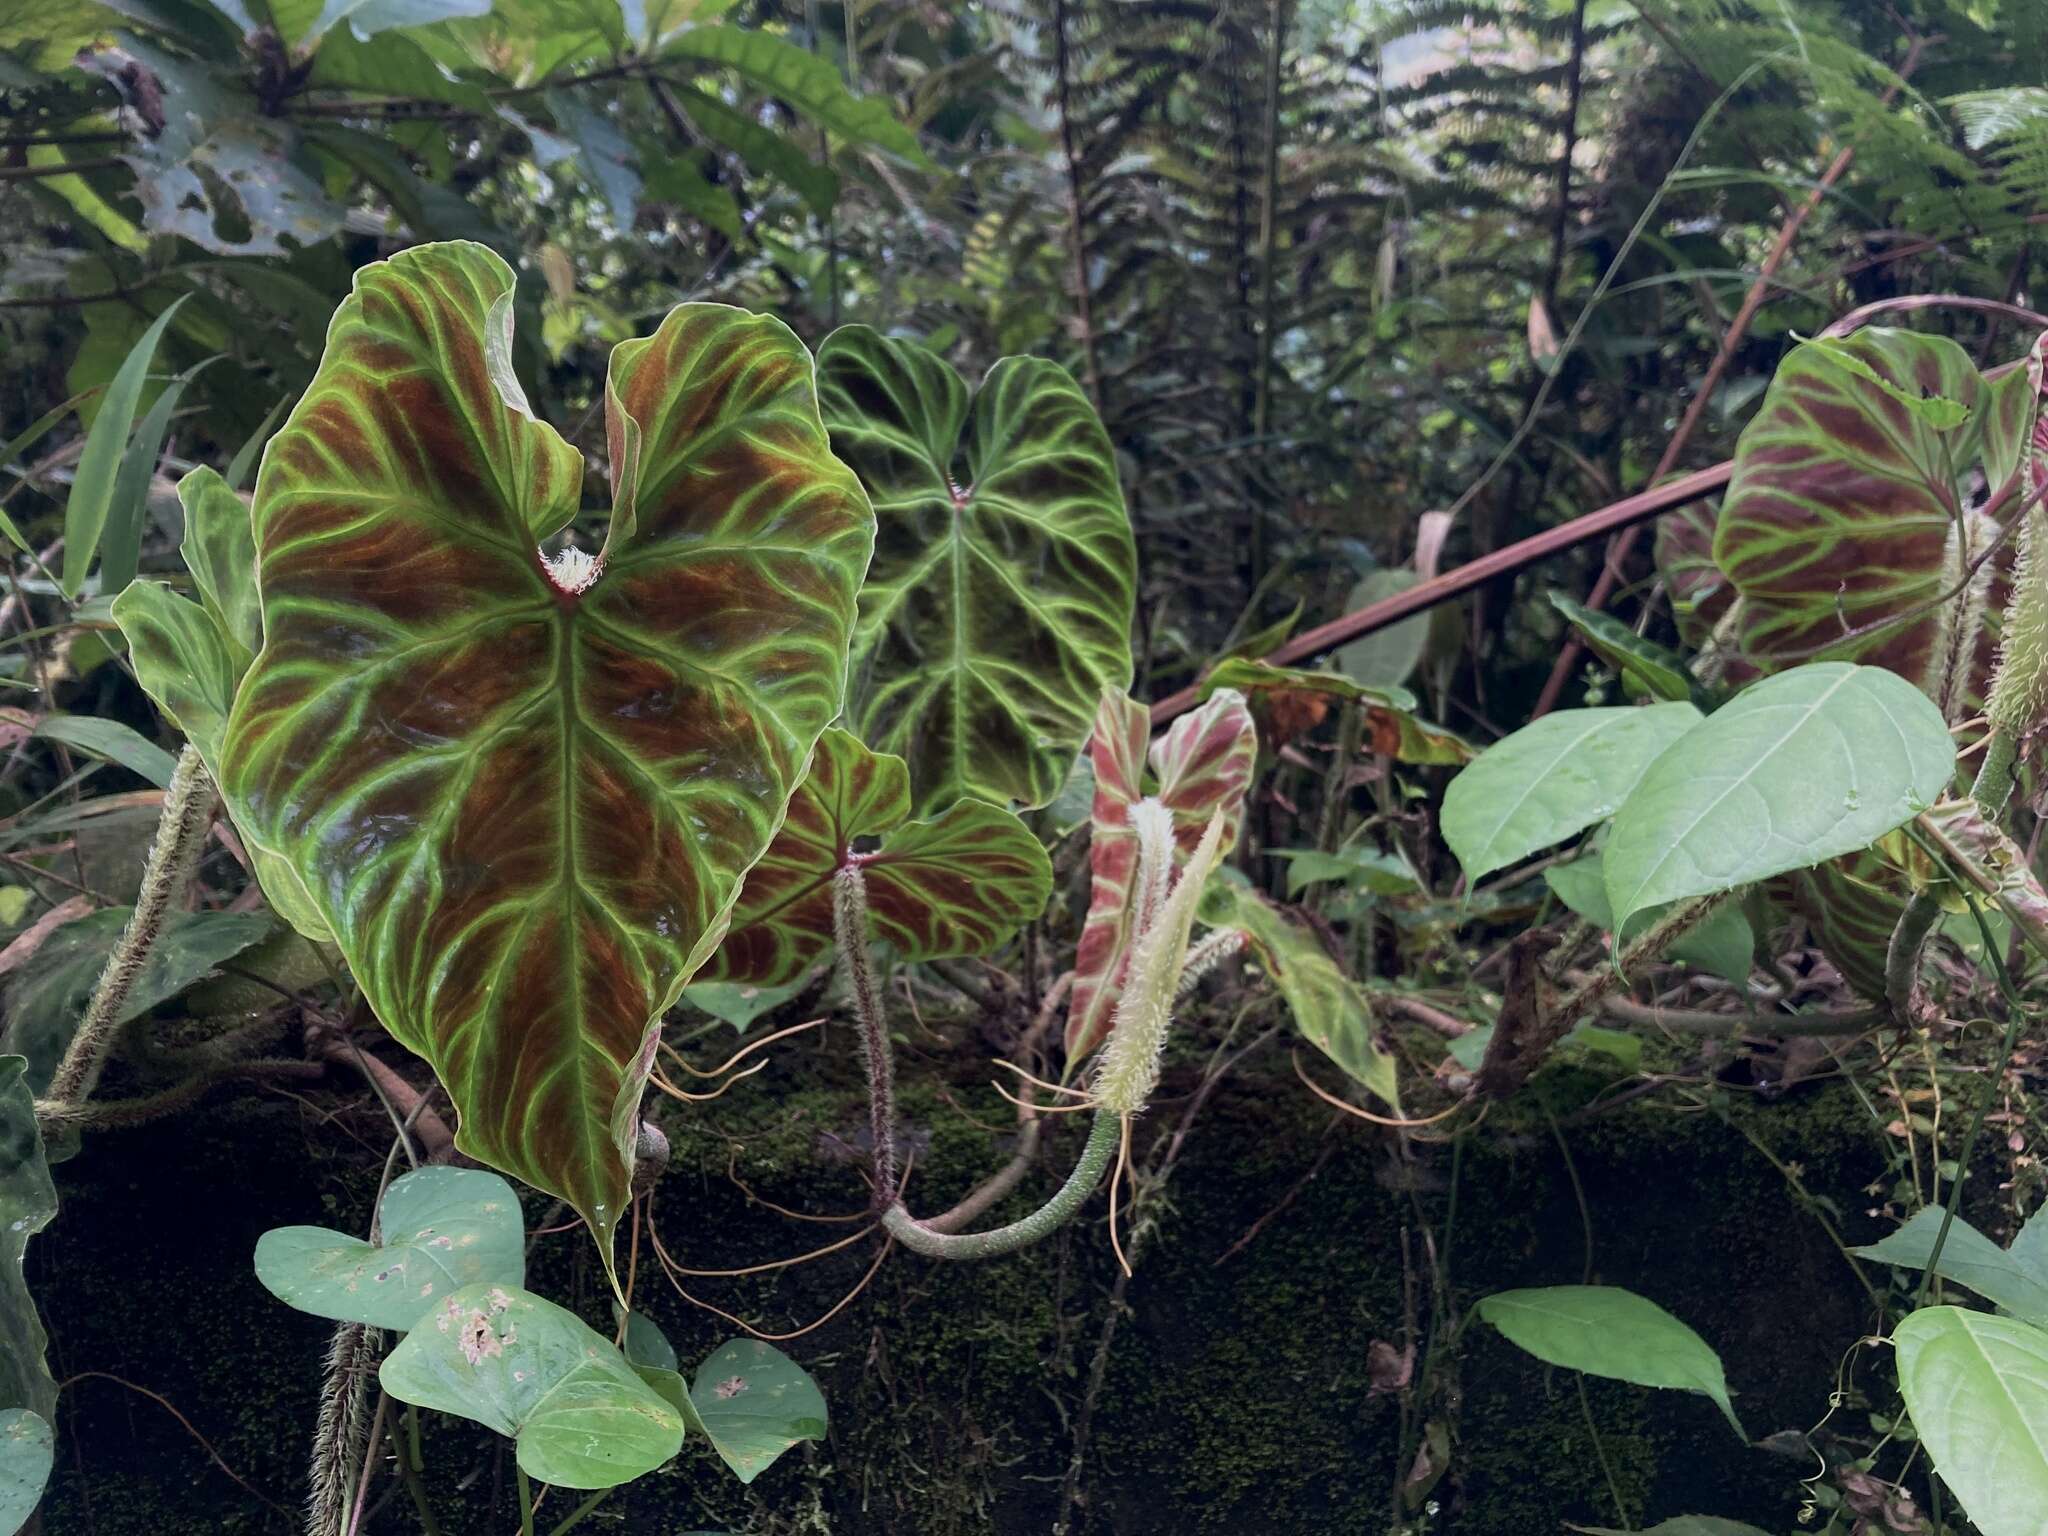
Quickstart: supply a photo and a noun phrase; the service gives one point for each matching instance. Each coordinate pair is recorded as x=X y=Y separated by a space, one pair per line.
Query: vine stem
x=1065 y=1204
x=850 y=929
x=180 y=836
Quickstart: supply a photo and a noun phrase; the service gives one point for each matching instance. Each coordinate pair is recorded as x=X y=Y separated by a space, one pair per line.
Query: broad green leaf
x=581 y=1416
x=1552 y=779
x=1802 y=767
x=1363 y=869
x=46 y=997
x=1848 y=498
x=366 y=18
x=1977 y=1388
x=1659 y=672
x=1000 y=601
x=754 y=1403
x=28 y=1449
x=1292 y=701
x=738 y=1003
x=1329 y=1008
x=646 y=1345
x=957 y=884
x=183 y=662
x=442 y=1229
x=219 y=550
x=1722 y=943
x=608 y=162
x=27 y=1202
x=522 y=792
x=766 y=149
x=806 y=81
x=2014 y=1281
x=99 y=462
x=111 y=740
x=1606 y=1331
x=1203 y=765
x=1386 y=656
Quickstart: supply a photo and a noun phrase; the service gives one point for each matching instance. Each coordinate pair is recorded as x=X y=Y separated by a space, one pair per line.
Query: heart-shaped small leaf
x=1204 y=765
x=28 y=1199
x=521 y=790
x=1000 y=601
x=581 y=1416
x=1805 y=766
x=28 y=1448
x=1977 y=1387
x=754 y=1403
x=958 y=884
x=442 y=1229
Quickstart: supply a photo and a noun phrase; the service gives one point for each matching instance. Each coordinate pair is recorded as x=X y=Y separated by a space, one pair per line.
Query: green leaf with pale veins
x=957 y=884
x=1802 y=767
x=1001 y=597
x=219 y=549
x=1977 y=1388
x=441 y=1229
x=580 y=1415
x=522 y=792
x=1606 y=1331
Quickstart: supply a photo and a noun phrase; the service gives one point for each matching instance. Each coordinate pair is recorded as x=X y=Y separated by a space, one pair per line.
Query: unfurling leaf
x=522 y=791
x=1000 y=602
x=1204 y=765
x=958 y=884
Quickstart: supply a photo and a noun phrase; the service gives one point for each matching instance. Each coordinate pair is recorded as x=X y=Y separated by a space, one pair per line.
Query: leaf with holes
x=1977 y=1388
x=1848 y=507
x=957 y=884
x=1204 y=765
x=1552 y=779
x=1291 y=702
x=522 y=791
x=442 y=1229
x=1802 y=767
x=1606 y=1331
x=1000 y=601
x=581 y=1416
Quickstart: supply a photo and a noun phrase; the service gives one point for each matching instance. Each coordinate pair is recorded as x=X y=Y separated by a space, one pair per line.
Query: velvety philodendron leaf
x=522 y=791
x=220 y=551
x=442 y=1229
x=1291 y=702
x=958 y=884
x=1851 y=905
x=1329 y=1008
x=2016 y=1281
x=1204 y=765
x=1000 y=601
x=28 y=1448
x=1700 y=591
x=184 y=661
x=28 y=1199
x=1651 y=668
x=1848 y=505
x=1552 y=779
x=581 y=1416
x=1606 y=1331
x=1816 y=762
x=1977 y=1387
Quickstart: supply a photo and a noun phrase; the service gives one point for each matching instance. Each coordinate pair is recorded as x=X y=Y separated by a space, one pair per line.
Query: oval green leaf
x=28 y=1449
x=2015 y=1281
x=1977 y=1388
x=443 y=1229
x=1816 y=762
x=1606 y=1331
x=522 y=791
x=1000 y=601
x=1552 y=779
x=581 y=1416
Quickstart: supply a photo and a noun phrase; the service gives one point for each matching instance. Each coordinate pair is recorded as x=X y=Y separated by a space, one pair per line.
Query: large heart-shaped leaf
x=1977 y=1387
x=1000 y=601
x=581 y=1416
x=522 y=791
x=28 y=1448
x=28 y=1199
x=2016 y=1281
x=1849 y=497
x=1553 y=778
x=1606 y=1331
x=442 y=1229
x=958 y=884
x=1816 y=762
x=1204 y=765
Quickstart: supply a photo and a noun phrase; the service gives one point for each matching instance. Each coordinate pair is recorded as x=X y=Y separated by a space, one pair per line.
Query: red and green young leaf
x=1204 y=765
x=958 y=884
x=523 y=796
x=1292 y=701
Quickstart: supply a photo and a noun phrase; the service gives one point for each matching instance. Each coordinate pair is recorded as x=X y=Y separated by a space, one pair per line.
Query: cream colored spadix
x=1130 y=1062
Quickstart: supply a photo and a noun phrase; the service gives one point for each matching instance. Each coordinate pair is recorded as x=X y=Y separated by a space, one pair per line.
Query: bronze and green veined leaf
x=1292 y=701
x=522 y=792
x=1000 y=601
x=959 y=883
x=1204 y=765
